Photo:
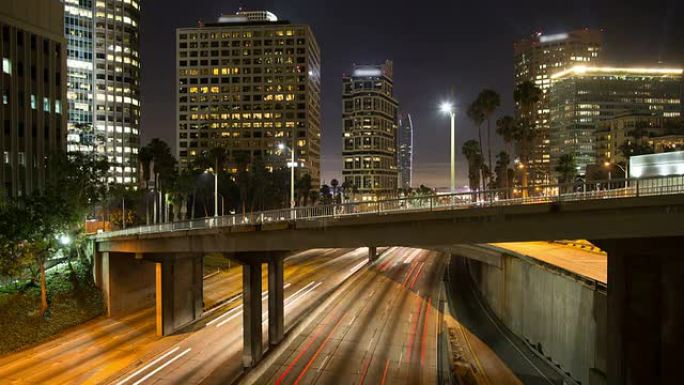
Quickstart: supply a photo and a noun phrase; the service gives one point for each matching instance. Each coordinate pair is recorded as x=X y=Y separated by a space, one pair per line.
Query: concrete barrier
x=561 y=315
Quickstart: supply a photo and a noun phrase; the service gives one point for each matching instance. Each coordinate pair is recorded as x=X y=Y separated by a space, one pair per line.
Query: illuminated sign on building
x=363 y=72
x=653 y=165
x=552 y=38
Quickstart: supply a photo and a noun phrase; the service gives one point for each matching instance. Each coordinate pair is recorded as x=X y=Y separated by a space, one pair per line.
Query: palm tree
x=489 y=101
x=476 y=115
x=526 y=96
x=503 y=161
x=304 y=189
x=471 y=150
x=566 y=169
x=505 y=127
x=334 y=186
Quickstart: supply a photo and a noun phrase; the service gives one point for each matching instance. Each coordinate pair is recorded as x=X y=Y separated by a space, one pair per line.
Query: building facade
x=117 y=87
x=582 y=99
x=249 y=83
x=103 y=80
x=538 y=57
x=33 y=86
x=652 y=132
x=405 y=151
x=369 y=123
x=79 y=31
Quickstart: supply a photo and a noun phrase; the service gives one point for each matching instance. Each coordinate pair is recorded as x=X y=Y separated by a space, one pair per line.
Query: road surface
x=110 y=349
x=590 y=264
x=381 y=327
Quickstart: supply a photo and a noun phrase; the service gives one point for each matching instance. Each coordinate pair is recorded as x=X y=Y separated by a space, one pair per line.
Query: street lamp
x=212 y=171
x=283 y=147
x=609 y=165
x=448 y=108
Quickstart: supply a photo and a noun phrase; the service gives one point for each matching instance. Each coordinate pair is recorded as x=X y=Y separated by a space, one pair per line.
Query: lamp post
x=212 y=171
x=448 y=108
x=282 y=147
x=609 y=165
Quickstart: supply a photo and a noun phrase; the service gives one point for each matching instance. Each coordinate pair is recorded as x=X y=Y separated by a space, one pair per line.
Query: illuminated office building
x=248 y=83
x=117 y=87
x=405 y=151
x=538 y=57
x=369 y=121
x=103 y=61
x=583 y=100
x=33 y=87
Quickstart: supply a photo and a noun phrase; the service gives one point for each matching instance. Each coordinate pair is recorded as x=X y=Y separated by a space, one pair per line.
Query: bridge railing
x=567 y=192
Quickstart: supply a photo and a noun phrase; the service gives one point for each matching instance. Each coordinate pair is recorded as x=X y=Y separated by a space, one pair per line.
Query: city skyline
x=453 y=34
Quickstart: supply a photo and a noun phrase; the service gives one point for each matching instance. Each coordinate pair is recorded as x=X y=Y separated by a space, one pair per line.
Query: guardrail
x=609 y=189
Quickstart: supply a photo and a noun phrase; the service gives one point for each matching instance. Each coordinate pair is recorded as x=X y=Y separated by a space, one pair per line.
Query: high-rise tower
x=369 y=121
x=537 y=58
x=103 y=50
x=249 y=83
x=405 y=151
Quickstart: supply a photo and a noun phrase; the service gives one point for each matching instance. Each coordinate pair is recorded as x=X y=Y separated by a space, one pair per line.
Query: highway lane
x=379 y=328
x=212 y=351
x=106 y=348
x=590 y=264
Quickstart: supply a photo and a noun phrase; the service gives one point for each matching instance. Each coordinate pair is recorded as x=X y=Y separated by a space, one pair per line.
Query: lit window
x=46 y=104
x=33 y=102
x=58 y=106
x=6 y=66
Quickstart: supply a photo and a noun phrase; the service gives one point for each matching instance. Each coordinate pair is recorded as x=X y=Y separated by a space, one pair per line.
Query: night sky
x=434 y=45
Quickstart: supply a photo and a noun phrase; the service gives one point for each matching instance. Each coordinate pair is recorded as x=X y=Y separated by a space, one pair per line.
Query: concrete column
x=276 y=303
x=372 y=254
x=645 y=311
x=251 y=314
x=179 y=292
x=127 y=283
x=97 y=268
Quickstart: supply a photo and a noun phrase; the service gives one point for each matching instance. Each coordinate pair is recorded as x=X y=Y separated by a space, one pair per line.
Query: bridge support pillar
x=372 y=254
x=127 y=283
x=179 y=292
x=645 y=310
x=276 y=304
x=251 y=314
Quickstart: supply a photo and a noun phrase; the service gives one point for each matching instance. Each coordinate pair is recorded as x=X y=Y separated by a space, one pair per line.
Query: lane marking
x=167 y=363
x=137 y=372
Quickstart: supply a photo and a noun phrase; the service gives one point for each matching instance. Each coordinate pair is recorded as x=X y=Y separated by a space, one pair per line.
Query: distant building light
x=581 y=69
x=552 y=38
x=365 y=72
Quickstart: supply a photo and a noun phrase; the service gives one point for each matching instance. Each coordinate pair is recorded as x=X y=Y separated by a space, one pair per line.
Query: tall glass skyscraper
x=405 y=151
x=103 y=81
x=78 y=28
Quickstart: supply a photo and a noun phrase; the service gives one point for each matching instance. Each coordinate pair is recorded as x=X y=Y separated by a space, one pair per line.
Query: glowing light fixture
x=581 y=69
x=552 y=38
x=446 y=107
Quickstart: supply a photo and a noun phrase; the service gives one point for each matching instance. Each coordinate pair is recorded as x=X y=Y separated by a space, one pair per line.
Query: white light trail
x=148 y=365
x=167 y=363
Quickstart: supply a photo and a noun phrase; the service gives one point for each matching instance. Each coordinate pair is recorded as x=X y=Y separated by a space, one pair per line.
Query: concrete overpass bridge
x=640 y=223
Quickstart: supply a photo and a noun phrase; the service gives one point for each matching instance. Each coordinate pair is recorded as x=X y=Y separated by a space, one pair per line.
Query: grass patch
x=73 y=299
